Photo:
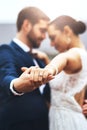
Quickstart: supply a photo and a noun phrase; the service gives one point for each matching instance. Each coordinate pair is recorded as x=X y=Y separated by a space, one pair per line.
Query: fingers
x=30 y=79
x=40 y=75
x=84 y=107
x=28 y=70
x=85 y=101
x=85 y=112
x=24 y=68
x=37 y=76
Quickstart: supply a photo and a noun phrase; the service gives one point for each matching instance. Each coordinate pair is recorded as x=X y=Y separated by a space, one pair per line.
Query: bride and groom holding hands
x=23 y=106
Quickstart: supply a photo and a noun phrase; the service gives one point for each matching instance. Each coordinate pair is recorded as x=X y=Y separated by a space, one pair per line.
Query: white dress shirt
x=26 y=49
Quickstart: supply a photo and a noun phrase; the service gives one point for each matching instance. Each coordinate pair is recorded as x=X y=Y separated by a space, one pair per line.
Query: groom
x=22 y=107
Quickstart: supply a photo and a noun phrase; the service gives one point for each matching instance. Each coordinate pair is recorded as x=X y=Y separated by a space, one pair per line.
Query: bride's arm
x=69 y=61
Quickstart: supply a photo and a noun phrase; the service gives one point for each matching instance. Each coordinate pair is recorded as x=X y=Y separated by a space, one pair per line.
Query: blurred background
x=10 y=8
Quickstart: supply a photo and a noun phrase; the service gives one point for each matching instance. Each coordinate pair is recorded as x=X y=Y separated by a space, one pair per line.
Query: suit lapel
x=25 y=57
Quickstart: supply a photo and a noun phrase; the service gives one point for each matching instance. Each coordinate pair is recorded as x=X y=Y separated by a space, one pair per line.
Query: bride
x=70 y=68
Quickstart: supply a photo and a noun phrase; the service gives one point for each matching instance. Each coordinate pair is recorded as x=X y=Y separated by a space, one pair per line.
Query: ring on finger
x=40 y=75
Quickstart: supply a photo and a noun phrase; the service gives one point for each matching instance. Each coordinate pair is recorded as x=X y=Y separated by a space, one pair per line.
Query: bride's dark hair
x=78 y=27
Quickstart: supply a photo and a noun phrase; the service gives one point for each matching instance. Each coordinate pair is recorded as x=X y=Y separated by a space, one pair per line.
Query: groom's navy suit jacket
x=26 y=112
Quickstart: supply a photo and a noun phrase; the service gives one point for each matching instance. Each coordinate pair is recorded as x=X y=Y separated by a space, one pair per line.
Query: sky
x=75 y=8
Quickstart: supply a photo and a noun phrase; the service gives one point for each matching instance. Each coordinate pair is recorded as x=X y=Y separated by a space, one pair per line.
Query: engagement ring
x=40 y=75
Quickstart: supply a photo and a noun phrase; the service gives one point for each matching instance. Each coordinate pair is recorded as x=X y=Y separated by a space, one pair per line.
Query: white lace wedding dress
x=65 y=113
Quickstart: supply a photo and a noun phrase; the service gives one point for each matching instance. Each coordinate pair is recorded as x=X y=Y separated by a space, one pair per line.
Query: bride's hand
x=39 y=75
x=84 y=107
x=41 y=55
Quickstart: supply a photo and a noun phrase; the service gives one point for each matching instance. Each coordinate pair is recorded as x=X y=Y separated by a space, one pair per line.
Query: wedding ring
x=40 y=75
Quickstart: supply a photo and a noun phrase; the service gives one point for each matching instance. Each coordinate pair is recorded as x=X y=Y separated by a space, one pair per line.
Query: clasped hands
x=39 y=75
x=32 y=78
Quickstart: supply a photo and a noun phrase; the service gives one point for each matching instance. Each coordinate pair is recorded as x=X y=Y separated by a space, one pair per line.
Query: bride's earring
x=68 y=40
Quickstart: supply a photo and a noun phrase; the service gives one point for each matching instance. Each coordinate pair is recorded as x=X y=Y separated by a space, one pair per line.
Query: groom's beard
x=33 y=40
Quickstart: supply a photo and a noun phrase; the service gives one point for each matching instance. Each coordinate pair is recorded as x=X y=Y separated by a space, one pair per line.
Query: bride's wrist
x=52 y=67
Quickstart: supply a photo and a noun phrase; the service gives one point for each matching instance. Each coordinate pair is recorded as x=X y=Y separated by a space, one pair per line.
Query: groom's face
x=37 y=33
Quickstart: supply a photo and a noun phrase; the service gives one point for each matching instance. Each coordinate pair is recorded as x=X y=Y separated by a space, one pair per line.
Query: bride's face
x=57 y=38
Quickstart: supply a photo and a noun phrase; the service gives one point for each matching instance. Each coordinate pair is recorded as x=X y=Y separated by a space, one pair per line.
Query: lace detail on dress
x=73 y=83
x=65 y=113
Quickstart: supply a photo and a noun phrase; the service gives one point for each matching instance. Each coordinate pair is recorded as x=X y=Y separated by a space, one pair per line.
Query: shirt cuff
x=14 y=91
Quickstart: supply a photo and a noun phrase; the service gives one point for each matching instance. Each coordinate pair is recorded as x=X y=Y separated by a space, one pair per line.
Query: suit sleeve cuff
x=13 y=90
